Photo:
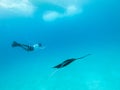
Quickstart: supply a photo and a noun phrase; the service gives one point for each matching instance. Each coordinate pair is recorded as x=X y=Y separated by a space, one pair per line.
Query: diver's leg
x=27 y=47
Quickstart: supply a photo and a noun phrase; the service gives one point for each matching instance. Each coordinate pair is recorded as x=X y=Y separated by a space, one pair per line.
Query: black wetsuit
x=25 y=47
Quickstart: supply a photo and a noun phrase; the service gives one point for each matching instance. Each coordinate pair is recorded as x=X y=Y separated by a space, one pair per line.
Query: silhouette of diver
x=68 y=61
x=26 y=47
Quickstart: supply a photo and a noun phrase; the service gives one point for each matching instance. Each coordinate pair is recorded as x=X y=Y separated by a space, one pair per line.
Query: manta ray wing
x=68 y=61
x=65 y=63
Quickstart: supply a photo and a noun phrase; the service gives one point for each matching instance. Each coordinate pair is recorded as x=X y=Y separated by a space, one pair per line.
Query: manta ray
x=68 y=61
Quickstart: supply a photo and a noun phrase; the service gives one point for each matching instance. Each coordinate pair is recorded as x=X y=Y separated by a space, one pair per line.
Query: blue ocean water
x=95 y=31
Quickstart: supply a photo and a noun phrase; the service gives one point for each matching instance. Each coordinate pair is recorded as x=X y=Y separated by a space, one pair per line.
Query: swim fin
x=15 y=44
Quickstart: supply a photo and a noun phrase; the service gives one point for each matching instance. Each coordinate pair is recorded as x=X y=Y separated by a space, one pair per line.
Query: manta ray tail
x=53 y=73
x=84 y=56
